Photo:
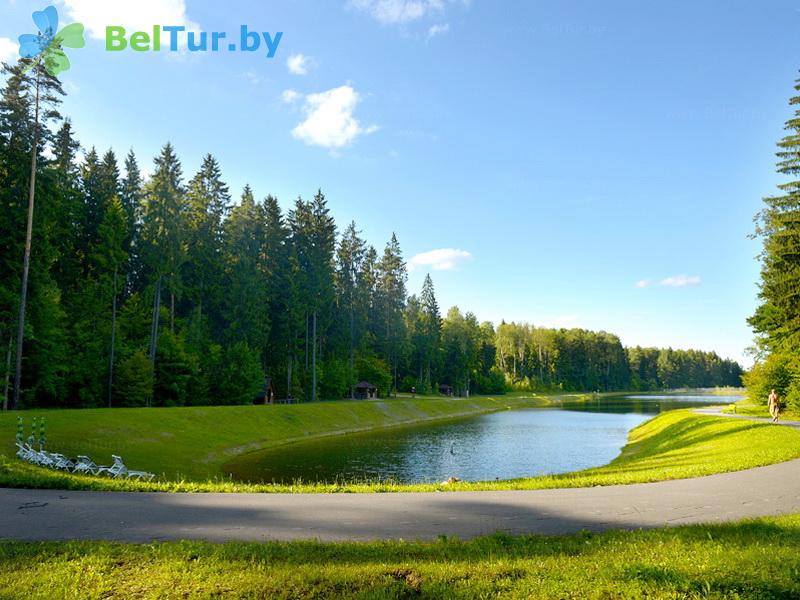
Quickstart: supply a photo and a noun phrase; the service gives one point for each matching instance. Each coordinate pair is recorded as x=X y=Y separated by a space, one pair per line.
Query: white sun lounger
x=86 y=466
x=118 y=470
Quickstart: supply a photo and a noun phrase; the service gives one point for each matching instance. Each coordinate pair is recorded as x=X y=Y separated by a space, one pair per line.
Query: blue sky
x=562 y=162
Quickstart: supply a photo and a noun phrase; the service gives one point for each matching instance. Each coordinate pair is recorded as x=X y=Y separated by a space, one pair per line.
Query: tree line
x=544 y=359
x=165 y=290
x=776 y=322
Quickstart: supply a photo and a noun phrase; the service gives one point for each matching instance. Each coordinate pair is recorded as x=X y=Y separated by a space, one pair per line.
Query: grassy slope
x=194 y=442
x=674 y=445
x=752 y=559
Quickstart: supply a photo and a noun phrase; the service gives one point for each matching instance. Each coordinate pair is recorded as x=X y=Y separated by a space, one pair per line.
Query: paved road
x=143 y=517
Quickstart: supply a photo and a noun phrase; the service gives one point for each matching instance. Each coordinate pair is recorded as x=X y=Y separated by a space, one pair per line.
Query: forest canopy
x=172 y=290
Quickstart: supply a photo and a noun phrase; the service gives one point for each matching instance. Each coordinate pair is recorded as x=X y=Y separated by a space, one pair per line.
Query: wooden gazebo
x=364 y=390
x=267 y=395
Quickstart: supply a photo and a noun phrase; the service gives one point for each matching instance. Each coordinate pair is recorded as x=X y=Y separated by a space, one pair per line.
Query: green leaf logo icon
x=48 y=45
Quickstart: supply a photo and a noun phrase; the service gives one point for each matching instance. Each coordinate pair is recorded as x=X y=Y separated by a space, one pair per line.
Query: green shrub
x=375 y=371
x=774 y=372
x=134 y=380
x=241 y=377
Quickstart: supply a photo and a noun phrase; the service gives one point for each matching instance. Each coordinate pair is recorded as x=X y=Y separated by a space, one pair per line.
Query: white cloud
x=643 y=283
x=394 y=12
x=252 y=77
x=679 y=281
x=330 y=122
x=441 y=259
x=9 y=49
x=435 y=30
x=298 y=64
x=291 y=96
x=139 y=16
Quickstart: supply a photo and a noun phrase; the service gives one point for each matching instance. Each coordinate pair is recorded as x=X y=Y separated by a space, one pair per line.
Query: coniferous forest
x=775 y=322
x=175 y=290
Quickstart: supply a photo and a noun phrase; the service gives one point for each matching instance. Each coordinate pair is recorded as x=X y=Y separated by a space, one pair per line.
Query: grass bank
x=192 y=443
x=674 y=445
x=751 y=559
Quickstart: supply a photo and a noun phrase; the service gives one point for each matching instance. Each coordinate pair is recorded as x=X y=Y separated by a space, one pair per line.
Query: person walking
x=774 y=404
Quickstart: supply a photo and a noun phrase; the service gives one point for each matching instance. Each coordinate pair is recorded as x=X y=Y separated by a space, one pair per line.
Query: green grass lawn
x=674 y=445
x=193 y=442
x=751 y=559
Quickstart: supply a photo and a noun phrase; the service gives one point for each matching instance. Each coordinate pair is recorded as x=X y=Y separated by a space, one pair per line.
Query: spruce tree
x=431 y=330
x=163 y=233
x=246 y=313
x=391 y=299
x=776 y=321
x=208 y=203
x=278 y=282
x=131 y=194
x=110 y=257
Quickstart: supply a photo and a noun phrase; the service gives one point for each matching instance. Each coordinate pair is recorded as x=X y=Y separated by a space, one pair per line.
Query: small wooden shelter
x=267 y=395
x=364 y=390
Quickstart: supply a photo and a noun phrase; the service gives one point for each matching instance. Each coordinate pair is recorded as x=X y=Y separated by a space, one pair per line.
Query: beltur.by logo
x=48 y=45
x=179 y=38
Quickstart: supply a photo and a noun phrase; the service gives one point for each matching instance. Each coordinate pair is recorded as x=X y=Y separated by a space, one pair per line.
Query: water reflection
x=505 y=445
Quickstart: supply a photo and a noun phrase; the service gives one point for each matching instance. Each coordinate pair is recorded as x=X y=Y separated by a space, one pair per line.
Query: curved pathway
x=144 y=517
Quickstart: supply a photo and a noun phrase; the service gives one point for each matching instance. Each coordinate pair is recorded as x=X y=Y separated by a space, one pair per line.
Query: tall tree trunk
x=113 y=339
x=154 y=321
x=306 y=354
x=428 y=382
x=154 y=331
x=8 y=373
x=352 y=351
x=541 y=373
x=171 y=311
x=314 y=359
x=26 y=261
x=289 y=376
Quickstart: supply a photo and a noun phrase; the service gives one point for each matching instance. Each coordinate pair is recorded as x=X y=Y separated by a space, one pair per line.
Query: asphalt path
x=145 y=517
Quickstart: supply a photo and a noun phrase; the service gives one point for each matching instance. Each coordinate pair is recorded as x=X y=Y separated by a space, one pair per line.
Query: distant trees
x=534 y=358
x=776 y=321
x=157 y=291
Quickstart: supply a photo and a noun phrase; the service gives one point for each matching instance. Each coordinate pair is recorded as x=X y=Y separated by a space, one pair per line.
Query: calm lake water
x=503 y=445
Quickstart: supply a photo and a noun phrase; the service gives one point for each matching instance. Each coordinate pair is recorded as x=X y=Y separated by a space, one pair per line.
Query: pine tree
x=131 y=194
x=28 y=104
x=777 y=319
x=94 y=199
x=278 y=284
x=208 y=201
x=391 y=299
x=431 y=330
x=349 y=261
x=313 y=234
x=110 y=256
x=68 y=269
x=163 y=233
x=246 y=314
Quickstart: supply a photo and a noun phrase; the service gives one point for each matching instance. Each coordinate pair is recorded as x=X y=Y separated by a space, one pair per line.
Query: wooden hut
x=267 y=395
x=364 y=390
